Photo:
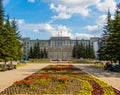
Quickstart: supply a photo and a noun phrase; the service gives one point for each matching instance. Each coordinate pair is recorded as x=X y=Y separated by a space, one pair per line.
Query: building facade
x=57 y=47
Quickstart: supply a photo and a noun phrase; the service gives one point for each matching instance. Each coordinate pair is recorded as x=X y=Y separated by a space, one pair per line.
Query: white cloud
x=36 y=30
x=83 y=35
x=101 y=20
x=32 y=1
x=65 y=9
x=73 y=3
x=58 y=30
x=62 y=16
x=92 y=28
x=45 y=27
x=103 y=6
x=61 y=10
x=20 y=21
x=98 y=27
x=53 y=30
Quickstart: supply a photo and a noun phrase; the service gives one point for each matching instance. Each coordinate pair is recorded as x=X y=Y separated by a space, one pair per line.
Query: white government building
x=57 y=47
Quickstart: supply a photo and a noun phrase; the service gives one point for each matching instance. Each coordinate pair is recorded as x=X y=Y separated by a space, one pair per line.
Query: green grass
x=88 y=61
x=39 y=61
x=21 y=64
x=99 y=65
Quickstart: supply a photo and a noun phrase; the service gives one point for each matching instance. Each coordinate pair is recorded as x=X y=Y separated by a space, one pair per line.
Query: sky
x=42 y=19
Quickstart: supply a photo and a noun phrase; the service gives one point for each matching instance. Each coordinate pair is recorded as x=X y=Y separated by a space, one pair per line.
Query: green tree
x=111 y=49
x=105 y=50
x=74 y=52
x=83 y=50
x=10 y=42
x=3 y=36
x=31 y=53
x=45 y=54
x=113 y=42
x=17 y=41
x=36 y=50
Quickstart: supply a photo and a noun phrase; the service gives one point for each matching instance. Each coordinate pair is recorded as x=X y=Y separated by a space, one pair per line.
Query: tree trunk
x=5 y=62
x=11 y=62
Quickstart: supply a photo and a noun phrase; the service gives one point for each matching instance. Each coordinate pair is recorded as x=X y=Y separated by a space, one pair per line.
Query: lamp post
x=61 y=47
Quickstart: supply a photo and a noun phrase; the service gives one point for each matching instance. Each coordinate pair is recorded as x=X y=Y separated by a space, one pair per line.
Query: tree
x=3 y=36
x=45 y=54
x=36 y=51
x=17 y=42
x=74 y=52
x=104 y=51
x=10 y=41
x=114 y=37
x=111 y=49
x=31 y=53
x=83 y=50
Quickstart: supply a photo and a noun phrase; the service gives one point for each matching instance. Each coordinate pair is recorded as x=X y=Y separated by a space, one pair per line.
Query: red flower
x=59 y=69
x=63 y=79
x=27 y=82
x=46 y=75
x=18 y=82
x=32 y=76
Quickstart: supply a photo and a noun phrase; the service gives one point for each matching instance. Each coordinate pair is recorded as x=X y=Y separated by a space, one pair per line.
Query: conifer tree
x=31 y=53
x=104 y=51
x=16 y=38
x=3 y=36
x=45 y=53
x=111 y=49
x=10 y=42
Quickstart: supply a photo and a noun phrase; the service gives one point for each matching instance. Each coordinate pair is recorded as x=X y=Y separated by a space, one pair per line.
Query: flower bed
x=60 y=79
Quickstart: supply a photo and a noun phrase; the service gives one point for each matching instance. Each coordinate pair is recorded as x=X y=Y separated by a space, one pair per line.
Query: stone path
x=112 y=78
x=7 y=78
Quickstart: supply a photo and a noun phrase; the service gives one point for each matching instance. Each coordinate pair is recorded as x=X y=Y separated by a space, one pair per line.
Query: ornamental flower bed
x=60 y=79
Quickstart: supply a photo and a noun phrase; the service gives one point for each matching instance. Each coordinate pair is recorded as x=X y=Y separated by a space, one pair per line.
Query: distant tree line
x=37 y=53
x=111 y=44
x=10 y=45
x=83 y=51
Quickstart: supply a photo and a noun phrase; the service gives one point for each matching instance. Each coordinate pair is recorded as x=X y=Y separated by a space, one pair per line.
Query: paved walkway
x=112 y=78
x=8 y=77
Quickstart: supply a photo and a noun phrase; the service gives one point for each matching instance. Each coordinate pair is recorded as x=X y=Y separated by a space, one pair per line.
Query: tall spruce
x=111 y=49
x=114 y=38
x=17 y=43
x=105 y=50
x=10 y=42
x=31 y=53
x=2 y=40
x=3 y=36
x=82 y=50
x=45 y=54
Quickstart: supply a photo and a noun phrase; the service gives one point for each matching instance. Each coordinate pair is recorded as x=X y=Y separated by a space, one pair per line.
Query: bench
x=4 y=67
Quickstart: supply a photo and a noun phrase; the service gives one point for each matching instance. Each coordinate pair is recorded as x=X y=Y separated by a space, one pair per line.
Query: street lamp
x=61 y=47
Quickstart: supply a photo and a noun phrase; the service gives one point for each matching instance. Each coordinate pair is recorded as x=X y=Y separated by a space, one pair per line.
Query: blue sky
x=41 y=19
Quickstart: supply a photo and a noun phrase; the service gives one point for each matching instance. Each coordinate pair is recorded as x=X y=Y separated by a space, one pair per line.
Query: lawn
x=39 y=61
x=60 y=79
x=86 y=61
x=78 y=61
